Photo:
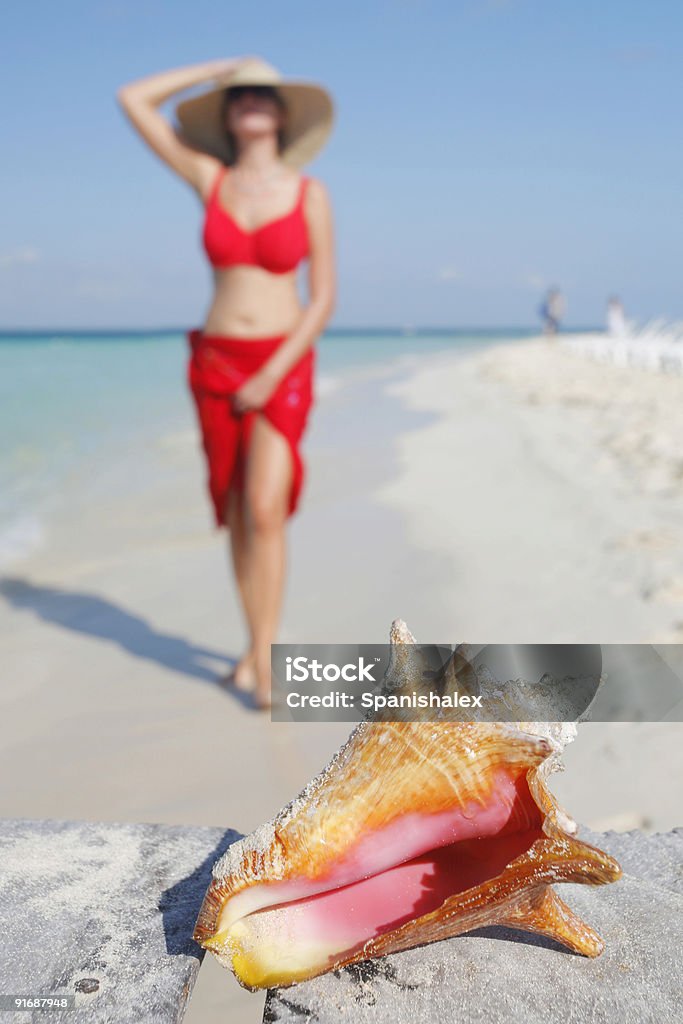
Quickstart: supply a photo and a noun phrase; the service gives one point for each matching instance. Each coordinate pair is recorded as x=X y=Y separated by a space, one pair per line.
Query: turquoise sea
x=71 y=402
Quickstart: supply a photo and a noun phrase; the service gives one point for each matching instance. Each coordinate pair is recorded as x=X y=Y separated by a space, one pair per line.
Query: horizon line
x=397 y=328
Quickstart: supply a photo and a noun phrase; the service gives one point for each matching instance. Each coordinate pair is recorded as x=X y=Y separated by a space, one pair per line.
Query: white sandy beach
x=555 y=486
x=519 y=495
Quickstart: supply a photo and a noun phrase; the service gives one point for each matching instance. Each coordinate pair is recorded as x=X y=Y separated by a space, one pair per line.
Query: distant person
x=552 y=310
x=616 y=319
x=241 y=145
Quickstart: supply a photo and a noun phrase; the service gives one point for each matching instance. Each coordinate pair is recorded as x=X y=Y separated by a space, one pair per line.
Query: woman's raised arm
x=139 y=101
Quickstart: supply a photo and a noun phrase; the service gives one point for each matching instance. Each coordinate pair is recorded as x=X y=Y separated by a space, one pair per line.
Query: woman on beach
x=240 y=145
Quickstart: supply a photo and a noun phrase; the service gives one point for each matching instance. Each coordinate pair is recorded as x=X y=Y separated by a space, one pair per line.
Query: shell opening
x=276 y=933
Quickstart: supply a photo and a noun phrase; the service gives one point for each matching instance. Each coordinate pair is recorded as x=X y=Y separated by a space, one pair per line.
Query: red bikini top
x=278 y=245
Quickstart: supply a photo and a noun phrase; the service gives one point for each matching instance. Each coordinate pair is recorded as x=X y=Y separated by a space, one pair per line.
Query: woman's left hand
x=255 y=392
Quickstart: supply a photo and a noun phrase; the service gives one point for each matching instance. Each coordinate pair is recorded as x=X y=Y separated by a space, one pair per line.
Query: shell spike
x=543 y=912
x=400 y=634
x=575 y=861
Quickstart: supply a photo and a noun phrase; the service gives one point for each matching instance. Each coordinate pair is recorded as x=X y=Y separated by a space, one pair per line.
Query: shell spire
x=414 y=832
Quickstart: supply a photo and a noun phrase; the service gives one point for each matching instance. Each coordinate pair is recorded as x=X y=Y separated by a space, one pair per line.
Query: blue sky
x=483 y=149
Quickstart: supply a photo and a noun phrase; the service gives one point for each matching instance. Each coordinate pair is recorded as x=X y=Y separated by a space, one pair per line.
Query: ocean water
x=73 y=402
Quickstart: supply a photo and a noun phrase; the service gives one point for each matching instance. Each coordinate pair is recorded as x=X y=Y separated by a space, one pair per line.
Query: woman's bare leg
x=244 y=674
x=267 y=489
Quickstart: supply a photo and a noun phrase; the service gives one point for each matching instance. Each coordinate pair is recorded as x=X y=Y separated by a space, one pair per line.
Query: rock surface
x=497 y=975
x=103 y=913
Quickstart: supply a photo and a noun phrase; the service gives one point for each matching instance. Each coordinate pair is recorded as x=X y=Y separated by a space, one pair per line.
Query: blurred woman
x=241 y=145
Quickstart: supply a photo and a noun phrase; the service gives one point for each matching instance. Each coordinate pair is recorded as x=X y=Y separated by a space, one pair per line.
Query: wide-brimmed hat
x=310 y=114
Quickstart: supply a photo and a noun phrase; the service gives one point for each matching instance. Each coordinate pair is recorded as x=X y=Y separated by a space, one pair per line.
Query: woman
x=239 y=146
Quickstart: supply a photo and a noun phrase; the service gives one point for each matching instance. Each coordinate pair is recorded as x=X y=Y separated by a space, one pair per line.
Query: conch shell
x=414 y=832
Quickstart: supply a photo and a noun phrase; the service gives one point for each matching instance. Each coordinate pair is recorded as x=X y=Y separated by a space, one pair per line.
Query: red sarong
x=218 y=366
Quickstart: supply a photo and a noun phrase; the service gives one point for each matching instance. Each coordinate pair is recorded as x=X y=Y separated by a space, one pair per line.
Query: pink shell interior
x=395 y=875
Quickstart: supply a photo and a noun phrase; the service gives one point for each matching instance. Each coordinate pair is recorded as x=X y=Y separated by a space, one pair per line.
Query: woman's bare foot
x=245 y=672
x=243 y=675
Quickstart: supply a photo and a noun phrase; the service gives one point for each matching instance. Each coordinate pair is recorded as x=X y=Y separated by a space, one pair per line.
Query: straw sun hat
x=310 y=114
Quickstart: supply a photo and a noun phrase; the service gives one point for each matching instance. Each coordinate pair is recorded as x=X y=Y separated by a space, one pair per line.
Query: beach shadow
x=96 y=617
x=517 y=935
x=179 y=904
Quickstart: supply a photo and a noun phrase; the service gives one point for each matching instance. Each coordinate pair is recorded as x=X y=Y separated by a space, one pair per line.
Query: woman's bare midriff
x=250 y=302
